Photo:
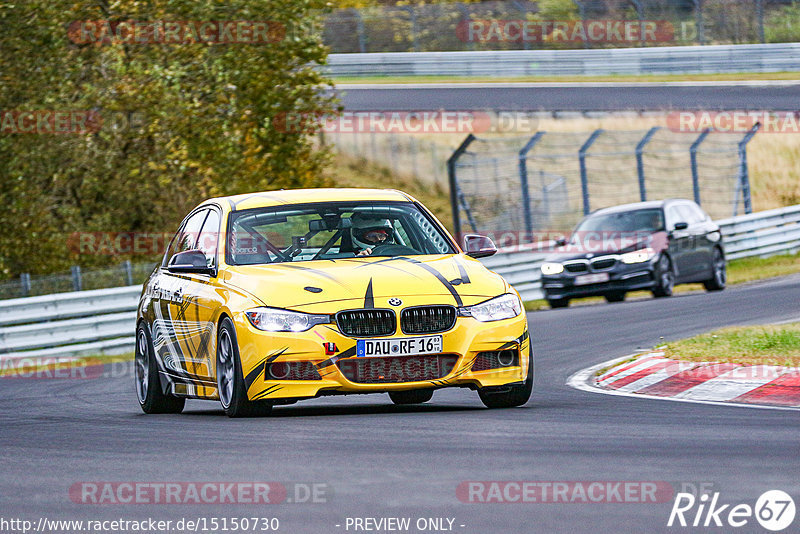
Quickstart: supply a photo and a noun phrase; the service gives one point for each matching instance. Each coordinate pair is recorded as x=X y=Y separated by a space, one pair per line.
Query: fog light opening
x=279 y=370
x=505 y=358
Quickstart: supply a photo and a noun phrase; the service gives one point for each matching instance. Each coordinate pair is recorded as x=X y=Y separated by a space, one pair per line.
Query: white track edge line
x=582 y=380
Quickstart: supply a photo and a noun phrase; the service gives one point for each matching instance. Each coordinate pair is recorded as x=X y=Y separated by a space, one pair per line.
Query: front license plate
x=584 y=279
x=406 y=346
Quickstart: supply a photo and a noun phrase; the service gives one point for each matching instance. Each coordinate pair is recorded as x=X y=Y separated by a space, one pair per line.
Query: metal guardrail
x=102 y=321
x=631 y=61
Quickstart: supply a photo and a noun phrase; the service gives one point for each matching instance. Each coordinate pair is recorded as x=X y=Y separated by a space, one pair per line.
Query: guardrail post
x=523 y=182
x=25 y=284
x=76 y=278
x=127 y=268
x=640 y=163
x=698 y=18
x=455 y=192
x=693 y=161
x=582 y=162
x=744 y=175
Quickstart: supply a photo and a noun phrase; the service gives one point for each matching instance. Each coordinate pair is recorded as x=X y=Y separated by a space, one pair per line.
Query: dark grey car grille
x=427 y=319
x=366 y=323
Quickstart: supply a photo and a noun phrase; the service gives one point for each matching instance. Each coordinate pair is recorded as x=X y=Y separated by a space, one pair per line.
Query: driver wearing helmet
x=367 y=233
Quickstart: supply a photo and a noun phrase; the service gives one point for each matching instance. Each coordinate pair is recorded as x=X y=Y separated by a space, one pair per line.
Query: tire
x=414 y=396
x=558 y=303
x=513 y=395
x=719 y=279
x=665 y=278
x=148 y=386
x=230 y=380
x=617 y=296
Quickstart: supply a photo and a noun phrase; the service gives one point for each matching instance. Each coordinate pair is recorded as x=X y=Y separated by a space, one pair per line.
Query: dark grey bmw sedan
x=647 y=245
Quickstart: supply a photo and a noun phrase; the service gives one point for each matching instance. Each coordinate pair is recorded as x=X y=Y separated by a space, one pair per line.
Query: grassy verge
x=739 y=271
x=752 y=345
x=736 y=76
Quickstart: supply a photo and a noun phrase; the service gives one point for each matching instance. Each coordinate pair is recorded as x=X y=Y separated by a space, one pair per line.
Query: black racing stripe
x=330 y=361
x=369 y=300
x=462 y=272
x=314 y=271
x=253 y=375
x=438 y=276
x=272 y=389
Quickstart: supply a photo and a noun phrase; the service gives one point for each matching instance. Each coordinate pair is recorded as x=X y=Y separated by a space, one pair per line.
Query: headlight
x=638 y=256
x=277 y=320
x=552 y=268
x=502 y=307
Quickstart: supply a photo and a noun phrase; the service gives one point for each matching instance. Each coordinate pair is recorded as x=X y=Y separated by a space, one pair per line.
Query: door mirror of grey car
x=478 y=246
x=681 y=225
x=189 y=261
x=561 y=242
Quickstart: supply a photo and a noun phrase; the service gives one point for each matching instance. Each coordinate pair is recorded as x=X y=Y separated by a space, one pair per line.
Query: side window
x=699 y=213
x=674 y=216
x=186 y=238
x=209 y=237
x=689 y=215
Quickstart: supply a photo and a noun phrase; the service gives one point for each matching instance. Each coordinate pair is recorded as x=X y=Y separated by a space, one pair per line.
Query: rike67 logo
x=774 y=511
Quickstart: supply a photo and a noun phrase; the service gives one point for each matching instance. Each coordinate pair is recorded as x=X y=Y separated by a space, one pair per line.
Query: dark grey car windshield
x=330 y=231
x=644 y=220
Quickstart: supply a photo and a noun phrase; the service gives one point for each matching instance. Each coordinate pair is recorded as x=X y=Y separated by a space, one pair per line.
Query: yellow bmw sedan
x=269 y=298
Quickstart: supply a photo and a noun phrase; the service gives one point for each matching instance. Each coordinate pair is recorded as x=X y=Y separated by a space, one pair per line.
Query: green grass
x=739 y=271
x=737 y=76
x=751 y=345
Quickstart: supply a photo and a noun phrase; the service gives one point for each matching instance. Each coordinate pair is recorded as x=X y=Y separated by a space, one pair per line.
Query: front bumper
x=461 y=345
x=622 y=277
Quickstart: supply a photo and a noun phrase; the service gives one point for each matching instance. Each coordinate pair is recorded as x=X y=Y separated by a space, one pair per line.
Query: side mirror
x=478 y=246
x=189 y=261
x=681 y=225
x=561 y=242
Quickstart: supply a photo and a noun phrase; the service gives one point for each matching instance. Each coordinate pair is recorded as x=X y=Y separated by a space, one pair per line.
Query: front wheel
x=510 y=396
x=720 y=277
x=230 y=380
x=148 y=386
x=617 y=296
x=665 y=278
x=414 y=396
x=558 y=303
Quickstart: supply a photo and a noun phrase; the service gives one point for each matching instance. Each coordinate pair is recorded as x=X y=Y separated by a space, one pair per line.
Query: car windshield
x=331 y=231
x=644 y=220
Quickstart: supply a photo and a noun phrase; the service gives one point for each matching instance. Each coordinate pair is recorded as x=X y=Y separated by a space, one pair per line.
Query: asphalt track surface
x=783 y=96
x=379 y=460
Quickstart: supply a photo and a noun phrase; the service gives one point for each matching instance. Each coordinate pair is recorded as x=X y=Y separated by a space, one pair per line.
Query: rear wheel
x=414 y=396
x=230 y=380
x=558 y=303
x=148 y=386
x=617 y=296
x=665 y=278
x=510 y=396
x=720 y=278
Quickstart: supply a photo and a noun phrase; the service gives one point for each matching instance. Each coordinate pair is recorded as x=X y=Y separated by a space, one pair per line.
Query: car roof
x=638 y=206
x=305 y=196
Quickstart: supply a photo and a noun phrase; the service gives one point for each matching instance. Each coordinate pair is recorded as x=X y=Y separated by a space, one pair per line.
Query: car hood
x=593 y=246
x=453 y=278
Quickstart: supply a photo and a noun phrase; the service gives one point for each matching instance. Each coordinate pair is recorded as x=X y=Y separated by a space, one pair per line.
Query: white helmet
x=363 y=225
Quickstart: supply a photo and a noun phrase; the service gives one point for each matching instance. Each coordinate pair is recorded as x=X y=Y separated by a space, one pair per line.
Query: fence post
x=698 y=21
x=523 y=182
x=362 y=38
x=582 y=162
x=760 y=17
x=693 y=161
x=640 y=163
x=454 y=190
x=25 y=284
x=127 y=268
x=744 y=175
x=76 y=277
